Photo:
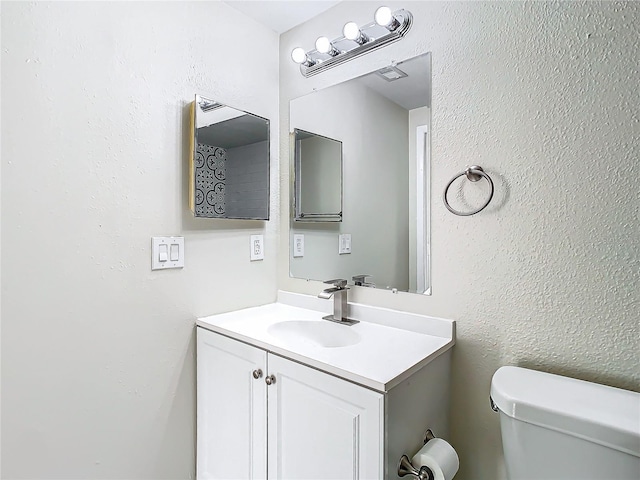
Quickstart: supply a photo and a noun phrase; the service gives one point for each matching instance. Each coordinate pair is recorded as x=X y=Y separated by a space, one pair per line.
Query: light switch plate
x=257 y=247
x=298 y=245
x=344 y=243
x=167 y=249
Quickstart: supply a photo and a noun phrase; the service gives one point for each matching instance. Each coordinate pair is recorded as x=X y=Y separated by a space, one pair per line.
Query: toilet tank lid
x=605 y=415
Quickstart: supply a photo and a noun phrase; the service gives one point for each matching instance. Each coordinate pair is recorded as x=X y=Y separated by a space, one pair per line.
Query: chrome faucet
x=340 y=306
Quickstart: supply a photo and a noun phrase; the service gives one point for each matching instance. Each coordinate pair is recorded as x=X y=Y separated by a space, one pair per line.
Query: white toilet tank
x=559 y=428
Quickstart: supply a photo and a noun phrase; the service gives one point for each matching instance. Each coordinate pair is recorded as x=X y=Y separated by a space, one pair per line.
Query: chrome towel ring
x=473 y=173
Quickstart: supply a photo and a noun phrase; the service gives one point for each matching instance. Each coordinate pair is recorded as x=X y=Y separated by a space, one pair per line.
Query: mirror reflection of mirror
x=384 y=120
x=229 y=168
x=318 y=178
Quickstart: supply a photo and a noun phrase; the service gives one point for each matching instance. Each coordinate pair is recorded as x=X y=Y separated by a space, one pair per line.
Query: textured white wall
x=98 y=375
x=545 y=97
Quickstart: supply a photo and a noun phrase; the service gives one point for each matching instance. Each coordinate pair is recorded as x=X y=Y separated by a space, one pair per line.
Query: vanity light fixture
x=298 y=55
x=388 y=27
x=323 y=45
x=386 y=19
x=207 y=105
x=351 y=31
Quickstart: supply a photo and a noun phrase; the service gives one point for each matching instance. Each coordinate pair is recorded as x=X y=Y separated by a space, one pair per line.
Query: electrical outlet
x=257 y=247
x=344 y=243
x=298 y=245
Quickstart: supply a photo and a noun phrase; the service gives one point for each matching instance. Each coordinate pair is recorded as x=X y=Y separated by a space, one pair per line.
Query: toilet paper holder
x=405 y=467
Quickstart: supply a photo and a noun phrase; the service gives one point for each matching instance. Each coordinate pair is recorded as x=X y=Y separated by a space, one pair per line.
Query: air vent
x=391 y=73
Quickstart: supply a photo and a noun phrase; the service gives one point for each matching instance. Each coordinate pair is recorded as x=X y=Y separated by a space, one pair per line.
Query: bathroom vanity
x=284 y=394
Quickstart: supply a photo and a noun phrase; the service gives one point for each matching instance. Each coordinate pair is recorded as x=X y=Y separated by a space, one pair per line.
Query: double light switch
x=167 y=252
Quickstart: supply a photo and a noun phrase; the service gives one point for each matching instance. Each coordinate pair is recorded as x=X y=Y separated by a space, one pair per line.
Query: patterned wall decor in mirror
x=229 y=164
x=383 y=120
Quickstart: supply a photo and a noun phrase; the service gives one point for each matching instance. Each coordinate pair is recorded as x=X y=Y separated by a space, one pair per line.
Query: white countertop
x=383 y=357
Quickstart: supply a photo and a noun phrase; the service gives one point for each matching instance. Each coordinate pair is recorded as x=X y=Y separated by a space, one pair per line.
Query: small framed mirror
x=317 y=177
x=229 y=164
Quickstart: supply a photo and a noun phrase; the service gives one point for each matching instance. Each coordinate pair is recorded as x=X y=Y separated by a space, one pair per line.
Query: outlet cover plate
x=257 y=247
x=344 y=243
x=298 y=245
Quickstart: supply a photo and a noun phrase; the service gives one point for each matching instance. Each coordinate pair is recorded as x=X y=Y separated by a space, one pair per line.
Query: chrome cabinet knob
x=270 y=380
x=257 y=374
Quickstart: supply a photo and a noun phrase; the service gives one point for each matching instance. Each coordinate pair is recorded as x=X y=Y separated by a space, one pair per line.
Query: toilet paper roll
x=440 y=457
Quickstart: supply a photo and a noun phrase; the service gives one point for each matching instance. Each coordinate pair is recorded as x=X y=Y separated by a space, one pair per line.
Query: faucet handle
x=360 y=279
x=337 y=282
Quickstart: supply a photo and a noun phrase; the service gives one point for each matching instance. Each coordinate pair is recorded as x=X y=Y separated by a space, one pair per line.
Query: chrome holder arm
x=406 y=468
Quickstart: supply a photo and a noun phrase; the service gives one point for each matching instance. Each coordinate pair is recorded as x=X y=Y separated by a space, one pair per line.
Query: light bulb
x=323 y=45
x=385 y=18
x=298 y=55
x=351 y=31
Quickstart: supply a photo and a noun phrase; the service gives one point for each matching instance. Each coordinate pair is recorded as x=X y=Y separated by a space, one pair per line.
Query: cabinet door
x=231 y=409
x=322 y=427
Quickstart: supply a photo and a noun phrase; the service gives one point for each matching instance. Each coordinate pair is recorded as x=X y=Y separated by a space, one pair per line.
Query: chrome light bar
x=387 y=28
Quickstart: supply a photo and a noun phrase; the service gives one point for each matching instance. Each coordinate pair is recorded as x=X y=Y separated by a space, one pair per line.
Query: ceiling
x=281 y=16
x=235 y=132
x=413 y=91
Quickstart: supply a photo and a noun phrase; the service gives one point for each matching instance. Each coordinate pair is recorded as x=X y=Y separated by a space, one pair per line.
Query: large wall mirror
x=229 y=174
x=383 y=120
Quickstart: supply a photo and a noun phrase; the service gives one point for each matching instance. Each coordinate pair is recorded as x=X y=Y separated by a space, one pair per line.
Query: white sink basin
x=379 y=352
x=322 y=333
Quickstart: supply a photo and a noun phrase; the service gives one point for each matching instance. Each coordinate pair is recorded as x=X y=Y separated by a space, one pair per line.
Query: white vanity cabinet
x=284 y=394
x=304 y=424
x=231 y=409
